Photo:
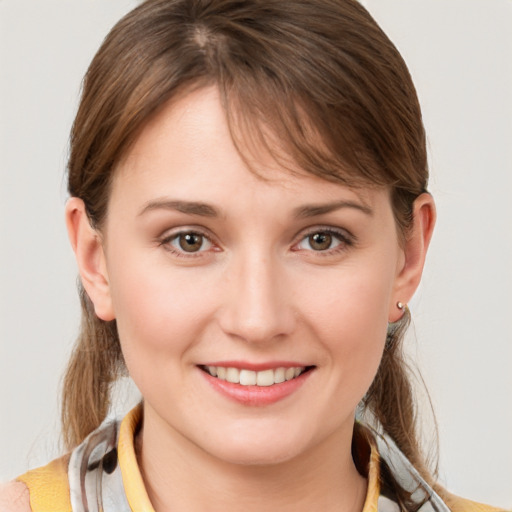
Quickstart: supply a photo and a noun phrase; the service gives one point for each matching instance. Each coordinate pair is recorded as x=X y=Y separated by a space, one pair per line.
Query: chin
x=263 y=456
x=263 y=448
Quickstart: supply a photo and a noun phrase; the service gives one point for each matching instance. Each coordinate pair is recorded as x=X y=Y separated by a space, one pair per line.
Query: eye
x=188 y=242
x=323 y=241
x=320 y=241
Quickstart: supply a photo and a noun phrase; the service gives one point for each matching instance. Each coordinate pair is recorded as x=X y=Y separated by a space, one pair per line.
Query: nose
x=257 y=307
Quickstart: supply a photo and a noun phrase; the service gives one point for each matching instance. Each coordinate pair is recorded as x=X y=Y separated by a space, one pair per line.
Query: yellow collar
x=134 y=485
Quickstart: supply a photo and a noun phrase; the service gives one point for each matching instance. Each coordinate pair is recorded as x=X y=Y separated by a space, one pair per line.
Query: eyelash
x=344 y=238
x=166 y=243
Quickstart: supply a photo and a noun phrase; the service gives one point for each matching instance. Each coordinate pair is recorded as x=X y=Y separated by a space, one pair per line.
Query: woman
x=250 y=217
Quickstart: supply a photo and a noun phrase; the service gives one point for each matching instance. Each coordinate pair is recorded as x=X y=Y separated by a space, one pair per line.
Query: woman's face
x=216 y=274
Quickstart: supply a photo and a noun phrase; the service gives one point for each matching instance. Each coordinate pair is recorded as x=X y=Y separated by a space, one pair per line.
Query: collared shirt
x=102 y=475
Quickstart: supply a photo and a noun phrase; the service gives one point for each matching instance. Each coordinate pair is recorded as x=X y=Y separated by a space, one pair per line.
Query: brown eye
x=326 y=241
x=190 y=242
x=320 y=241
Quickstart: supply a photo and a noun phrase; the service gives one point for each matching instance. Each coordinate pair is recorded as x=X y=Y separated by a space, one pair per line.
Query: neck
x=180 y=476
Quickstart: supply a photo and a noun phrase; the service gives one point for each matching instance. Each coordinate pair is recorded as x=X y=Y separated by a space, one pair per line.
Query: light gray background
x=460 y=55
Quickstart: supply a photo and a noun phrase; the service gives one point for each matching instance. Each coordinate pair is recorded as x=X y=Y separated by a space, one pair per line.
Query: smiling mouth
x=264 y=378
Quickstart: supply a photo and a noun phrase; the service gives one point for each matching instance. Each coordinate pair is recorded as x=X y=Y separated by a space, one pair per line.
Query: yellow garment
x=49 y=487
x=456 y=504
x=133 y=483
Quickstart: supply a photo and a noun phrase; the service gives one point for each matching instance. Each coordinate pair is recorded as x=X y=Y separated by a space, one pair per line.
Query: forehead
x=187 y=147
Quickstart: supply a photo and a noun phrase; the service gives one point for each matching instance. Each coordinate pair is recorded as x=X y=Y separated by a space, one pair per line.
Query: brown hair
x=318 y=76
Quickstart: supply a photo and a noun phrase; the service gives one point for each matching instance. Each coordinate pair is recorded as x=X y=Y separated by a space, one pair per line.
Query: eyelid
x=346 y=238
x=169 y=235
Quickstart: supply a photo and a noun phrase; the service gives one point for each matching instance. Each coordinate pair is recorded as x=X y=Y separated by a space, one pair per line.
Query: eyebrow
x=188 y=207
x=206 y=210
x=320 y=209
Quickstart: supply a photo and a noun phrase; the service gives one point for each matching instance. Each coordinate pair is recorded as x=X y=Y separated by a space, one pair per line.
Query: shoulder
x=45 y=488
x=14 y=497
x=457 y=504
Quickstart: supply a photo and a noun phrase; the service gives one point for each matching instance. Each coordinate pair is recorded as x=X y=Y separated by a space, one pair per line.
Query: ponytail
x=95 y=364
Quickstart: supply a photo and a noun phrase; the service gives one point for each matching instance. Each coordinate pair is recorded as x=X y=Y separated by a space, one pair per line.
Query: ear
x=88 y=248
x=414 y=253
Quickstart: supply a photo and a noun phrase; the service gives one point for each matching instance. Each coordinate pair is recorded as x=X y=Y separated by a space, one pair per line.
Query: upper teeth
x=251 y=378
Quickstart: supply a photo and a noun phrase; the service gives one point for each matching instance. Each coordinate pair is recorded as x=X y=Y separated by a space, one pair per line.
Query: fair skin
x=204 y=263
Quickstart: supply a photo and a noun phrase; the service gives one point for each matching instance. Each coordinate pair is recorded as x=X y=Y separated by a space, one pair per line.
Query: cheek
x=353 y=300
x=350 y=319
x=157 y=310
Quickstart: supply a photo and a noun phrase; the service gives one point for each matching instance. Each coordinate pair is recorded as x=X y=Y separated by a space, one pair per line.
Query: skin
x=14 y=497
x=257 y=290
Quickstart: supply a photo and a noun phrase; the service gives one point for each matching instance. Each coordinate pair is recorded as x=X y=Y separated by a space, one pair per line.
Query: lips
x=255 y=385
x=247 y=377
